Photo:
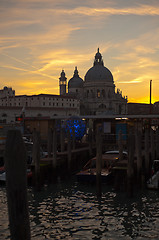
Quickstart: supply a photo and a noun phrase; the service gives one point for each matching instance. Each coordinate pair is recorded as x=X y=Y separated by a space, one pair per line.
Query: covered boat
x=3 y=174
x=109 y=160
x=153 y=182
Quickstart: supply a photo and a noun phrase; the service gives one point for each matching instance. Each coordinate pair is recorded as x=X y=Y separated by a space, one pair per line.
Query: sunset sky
x=40 y=38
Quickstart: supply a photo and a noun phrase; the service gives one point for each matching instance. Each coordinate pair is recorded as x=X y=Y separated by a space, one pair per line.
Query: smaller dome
x=75 y=81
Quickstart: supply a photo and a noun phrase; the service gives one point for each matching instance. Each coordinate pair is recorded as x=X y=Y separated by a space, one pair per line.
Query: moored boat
x=109 y=159
x=153 y=182
x=3 y=174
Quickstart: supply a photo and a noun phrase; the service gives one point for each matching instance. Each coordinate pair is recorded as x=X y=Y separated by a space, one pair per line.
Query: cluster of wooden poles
x=16 y=175
x=142 y=147
x=145 y=148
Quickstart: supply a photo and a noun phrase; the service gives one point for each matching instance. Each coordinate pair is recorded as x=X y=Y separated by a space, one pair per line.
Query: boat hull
x=3 y=175
x=90 y=177
x=153 y=182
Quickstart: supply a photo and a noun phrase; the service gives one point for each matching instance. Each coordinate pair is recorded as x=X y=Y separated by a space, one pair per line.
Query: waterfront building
x=7 y=92
x=139 y=108
x=42 y=105
x=156 y=108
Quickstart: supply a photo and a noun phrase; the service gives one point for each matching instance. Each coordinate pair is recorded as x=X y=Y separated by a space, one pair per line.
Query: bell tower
x=62 y=83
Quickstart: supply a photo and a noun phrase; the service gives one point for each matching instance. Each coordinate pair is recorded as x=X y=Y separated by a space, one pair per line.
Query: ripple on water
x=72 y=211
x=4 y=231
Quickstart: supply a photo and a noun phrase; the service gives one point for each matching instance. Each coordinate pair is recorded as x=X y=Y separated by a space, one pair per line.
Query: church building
x=96 y=92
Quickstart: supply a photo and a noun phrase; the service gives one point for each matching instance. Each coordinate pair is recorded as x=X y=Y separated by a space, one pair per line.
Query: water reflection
x=69 y=210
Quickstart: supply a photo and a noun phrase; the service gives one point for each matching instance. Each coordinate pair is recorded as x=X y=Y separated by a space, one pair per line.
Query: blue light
x=77 y=125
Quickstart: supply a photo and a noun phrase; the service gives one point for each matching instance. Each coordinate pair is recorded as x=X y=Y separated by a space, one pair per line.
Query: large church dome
x=75 y=81
x=99 y=73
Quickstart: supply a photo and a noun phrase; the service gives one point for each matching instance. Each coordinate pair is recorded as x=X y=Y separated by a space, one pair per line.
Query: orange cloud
x=88 y=11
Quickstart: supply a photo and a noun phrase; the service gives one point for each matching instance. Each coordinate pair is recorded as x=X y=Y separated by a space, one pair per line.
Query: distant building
x=7 y=92
x=156 y=108
x=42 y=105
x=139 y=108
x=143 y=108
x=96 y=92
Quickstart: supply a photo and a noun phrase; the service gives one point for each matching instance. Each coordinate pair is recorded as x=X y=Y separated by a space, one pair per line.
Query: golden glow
x=56 y=62
x=142 y=10
x=36 y=43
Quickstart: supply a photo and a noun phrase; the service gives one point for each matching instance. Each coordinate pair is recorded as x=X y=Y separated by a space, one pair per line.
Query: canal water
x=70 y=210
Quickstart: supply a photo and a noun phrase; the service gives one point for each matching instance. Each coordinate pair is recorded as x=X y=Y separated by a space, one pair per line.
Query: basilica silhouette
x=96 y=92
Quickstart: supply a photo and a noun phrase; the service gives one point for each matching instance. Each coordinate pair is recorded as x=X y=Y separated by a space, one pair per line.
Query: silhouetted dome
x=75 y=81
x=98 y=73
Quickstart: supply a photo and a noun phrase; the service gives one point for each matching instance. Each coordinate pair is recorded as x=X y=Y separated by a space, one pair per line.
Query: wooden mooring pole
x=69 y=150
x=139 y=156
x=147 y=154
x=73 y=138
x=157 y=143
x=130 y=167
x=120 y=145
x=36 y=159
x=152 y=140
x=90 y=141
x=16 y=186
x=49 y=145
x=98 y=159
x=62 y=139
x=54 y=150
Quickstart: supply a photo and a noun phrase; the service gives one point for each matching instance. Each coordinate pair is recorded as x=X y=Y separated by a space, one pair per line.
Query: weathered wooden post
x=62 y=139
x=120 y=145
x=69 y=150
x=139 y=155
x=98 y=158
x=36 y=159
x=157 y=143
x=90 y=141
x=54 y=150
x=49 y=145
x=16 y=186
x=130 y=167
x=73 y=138
x=152 y=139
x=118 y=173
x=146 y=151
